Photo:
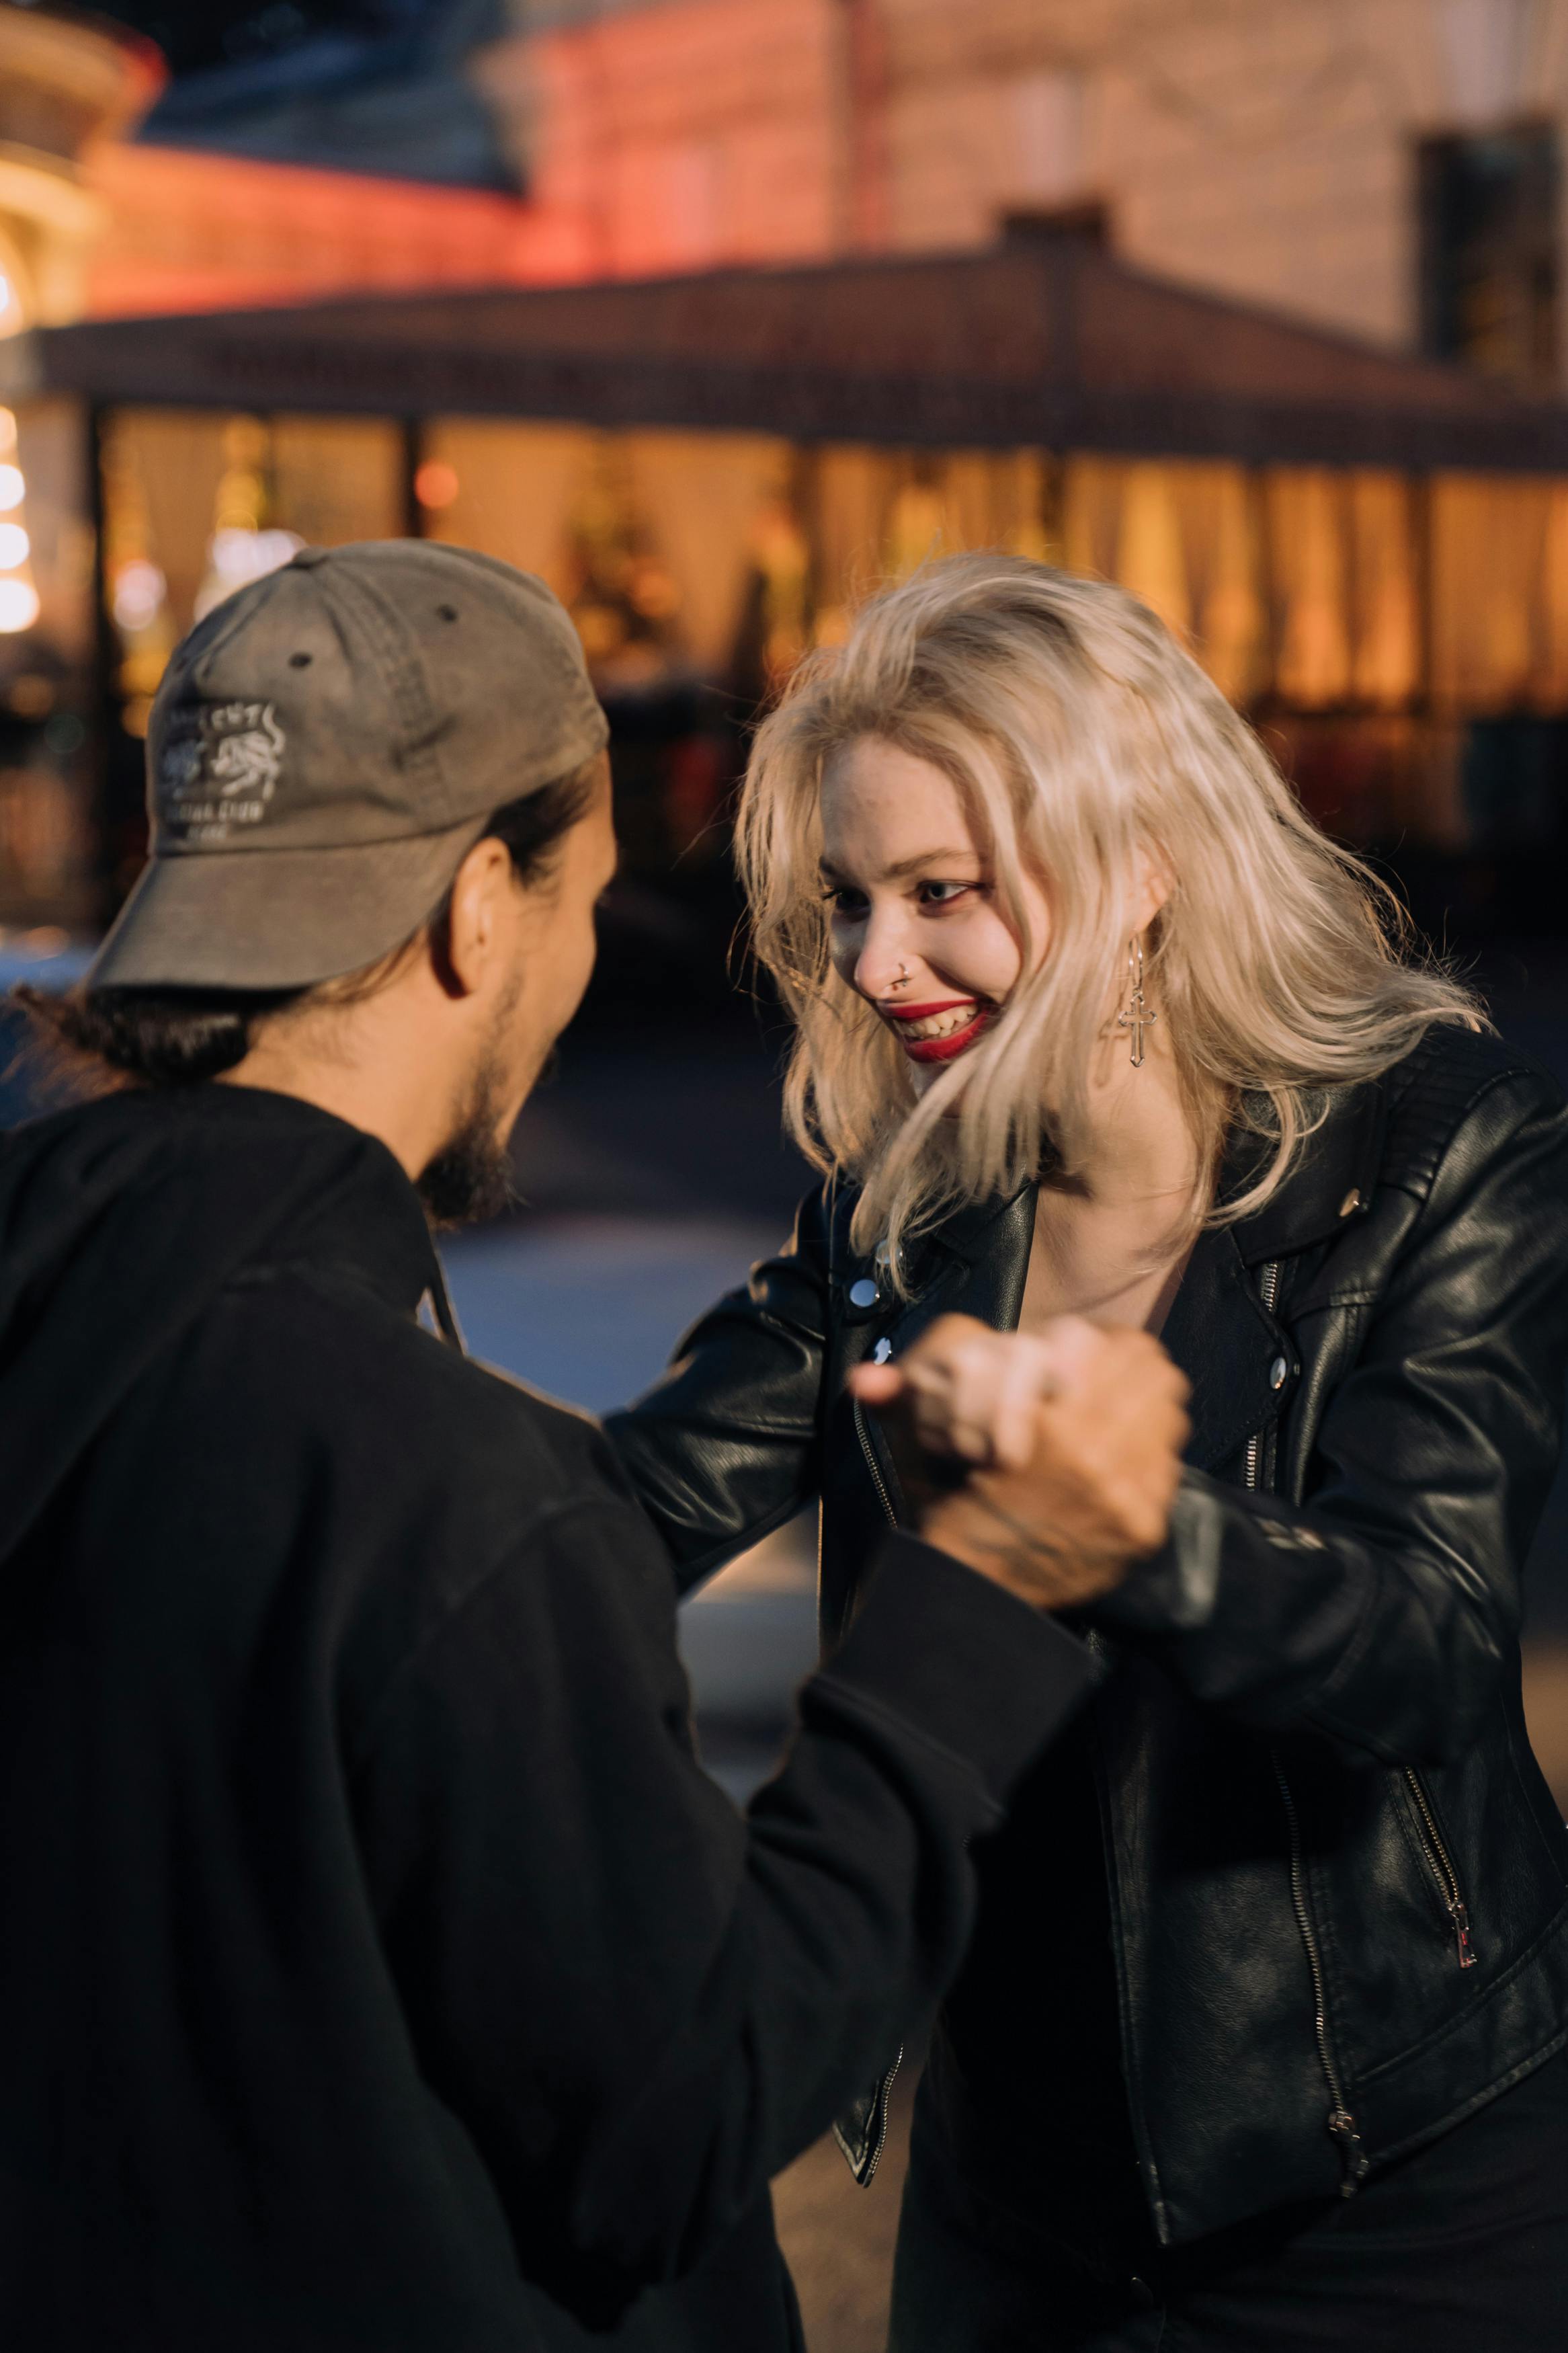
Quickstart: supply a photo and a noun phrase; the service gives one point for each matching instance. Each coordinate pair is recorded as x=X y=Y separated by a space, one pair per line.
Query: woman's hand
x=1080 y=1433
x=971 y=1393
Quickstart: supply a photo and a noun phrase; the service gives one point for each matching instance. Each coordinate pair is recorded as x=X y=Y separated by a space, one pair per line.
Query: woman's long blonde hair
x=1082 y=740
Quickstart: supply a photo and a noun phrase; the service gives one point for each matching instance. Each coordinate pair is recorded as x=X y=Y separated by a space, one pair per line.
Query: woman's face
x=915 y=922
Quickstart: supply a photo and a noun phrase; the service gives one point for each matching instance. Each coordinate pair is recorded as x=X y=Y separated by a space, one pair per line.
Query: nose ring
x=903 y=979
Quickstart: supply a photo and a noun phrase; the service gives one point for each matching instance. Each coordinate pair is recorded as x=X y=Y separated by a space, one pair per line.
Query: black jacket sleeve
x=1378 y=1616
x=639 y=2005
x=718 y=1464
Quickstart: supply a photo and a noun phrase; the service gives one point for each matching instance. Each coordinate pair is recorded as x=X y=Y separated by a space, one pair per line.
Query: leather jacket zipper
x=1268 y=1291
x=1443 y=1865
x=875 y=1467
x=1341 y=2124
x=877 y=2129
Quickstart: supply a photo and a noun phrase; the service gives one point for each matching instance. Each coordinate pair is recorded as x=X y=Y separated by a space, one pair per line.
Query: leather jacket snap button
x=889 y=1261
x=1279 y=1373
x=863 y=1294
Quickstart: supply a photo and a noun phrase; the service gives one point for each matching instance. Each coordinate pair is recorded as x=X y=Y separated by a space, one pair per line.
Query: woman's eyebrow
x=904 y=866
x=908 y=866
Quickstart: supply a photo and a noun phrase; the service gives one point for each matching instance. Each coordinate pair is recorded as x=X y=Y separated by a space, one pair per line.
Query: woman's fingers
x=1030 y=1377
x=956 y=1383
x=972 y=1392
x=977 y=1396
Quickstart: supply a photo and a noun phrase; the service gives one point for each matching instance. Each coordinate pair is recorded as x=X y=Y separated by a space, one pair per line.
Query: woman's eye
x=848 y=903
x=945 y=894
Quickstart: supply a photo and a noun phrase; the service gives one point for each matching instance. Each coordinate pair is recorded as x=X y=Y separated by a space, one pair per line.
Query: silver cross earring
x=1136 y=1017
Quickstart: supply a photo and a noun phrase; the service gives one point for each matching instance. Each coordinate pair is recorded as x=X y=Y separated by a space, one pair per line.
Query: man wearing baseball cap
x=381 y=1973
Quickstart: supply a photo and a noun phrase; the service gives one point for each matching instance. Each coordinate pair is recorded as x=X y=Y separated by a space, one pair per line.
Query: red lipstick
x=936 y=1049
x=942 y=1049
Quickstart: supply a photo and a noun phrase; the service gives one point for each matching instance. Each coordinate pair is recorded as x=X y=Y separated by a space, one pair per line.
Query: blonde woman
x=1260 y=2036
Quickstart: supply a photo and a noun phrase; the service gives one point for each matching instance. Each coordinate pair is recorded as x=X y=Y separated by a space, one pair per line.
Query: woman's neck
x=1139 y=1152
x=1111 y=1241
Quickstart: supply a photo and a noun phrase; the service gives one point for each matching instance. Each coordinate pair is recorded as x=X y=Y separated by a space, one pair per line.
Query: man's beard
x=470 y=1178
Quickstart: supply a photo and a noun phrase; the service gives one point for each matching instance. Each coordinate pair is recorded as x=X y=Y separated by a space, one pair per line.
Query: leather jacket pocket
x=1450 y=1888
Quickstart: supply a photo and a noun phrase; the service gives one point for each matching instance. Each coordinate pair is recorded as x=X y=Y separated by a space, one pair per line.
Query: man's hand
x=1076 y=1439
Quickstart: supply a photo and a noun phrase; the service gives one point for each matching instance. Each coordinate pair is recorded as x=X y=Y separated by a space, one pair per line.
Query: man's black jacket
x=1333 y=1883
x=373 y=1942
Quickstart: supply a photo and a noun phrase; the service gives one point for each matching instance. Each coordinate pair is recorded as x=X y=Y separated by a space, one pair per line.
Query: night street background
x=716 y=315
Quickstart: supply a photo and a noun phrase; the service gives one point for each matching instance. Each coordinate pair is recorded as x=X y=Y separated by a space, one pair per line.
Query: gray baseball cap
x=324 y=751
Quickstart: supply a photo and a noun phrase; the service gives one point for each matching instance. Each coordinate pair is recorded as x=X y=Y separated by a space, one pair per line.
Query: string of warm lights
x=18 y=597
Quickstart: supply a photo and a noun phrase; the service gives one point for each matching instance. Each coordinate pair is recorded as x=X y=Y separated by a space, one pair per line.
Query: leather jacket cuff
x=1177 y=1587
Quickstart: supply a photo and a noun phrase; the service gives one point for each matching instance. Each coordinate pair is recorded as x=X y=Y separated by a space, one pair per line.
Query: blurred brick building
x=1384 y=166
x=712 y=467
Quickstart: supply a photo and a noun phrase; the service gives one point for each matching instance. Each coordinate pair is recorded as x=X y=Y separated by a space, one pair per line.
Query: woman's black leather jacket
x=1338 y=1885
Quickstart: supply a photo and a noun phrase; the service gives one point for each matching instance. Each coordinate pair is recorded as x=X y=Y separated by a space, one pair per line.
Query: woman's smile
x=937 y=1033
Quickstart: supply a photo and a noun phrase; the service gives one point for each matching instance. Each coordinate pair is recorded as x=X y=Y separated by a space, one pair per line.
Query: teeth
x=945 y=1023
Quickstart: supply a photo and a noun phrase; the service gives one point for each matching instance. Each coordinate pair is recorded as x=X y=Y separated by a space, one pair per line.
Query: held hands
x=1074 y=1439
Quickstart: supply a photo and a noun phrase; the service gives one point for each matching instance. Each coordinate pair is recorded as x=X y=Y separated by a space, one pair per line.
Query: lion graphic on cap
x=244 y=747
x=229 y=755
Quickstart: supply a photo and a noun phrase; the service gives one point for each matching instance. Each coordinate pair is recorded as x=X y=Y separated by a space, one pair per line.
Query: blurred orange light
x=436 y=484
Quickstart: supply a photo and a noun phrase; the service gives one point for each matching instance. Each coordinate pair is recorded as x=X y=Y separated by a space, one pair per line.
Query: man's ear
x=477 y=914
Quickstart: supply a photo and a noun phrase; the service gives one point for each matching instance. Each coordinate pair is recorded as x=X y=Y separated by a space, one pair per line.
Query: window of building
x=1489 y=238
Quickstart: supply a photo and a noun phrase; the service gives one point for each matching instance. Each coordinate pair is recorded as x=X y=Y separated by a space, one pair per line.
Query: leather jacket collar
x=1333 y=1178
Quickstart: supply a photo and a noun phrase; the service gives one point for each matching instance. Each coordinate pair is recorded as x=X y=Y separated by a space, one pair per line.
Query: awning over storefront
x=1369 y=553
x=1048 y=340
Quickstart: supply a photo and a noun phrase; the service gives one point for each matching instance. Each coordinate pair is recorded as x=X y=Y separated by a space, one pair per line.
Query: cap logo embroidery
x=221 y=763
